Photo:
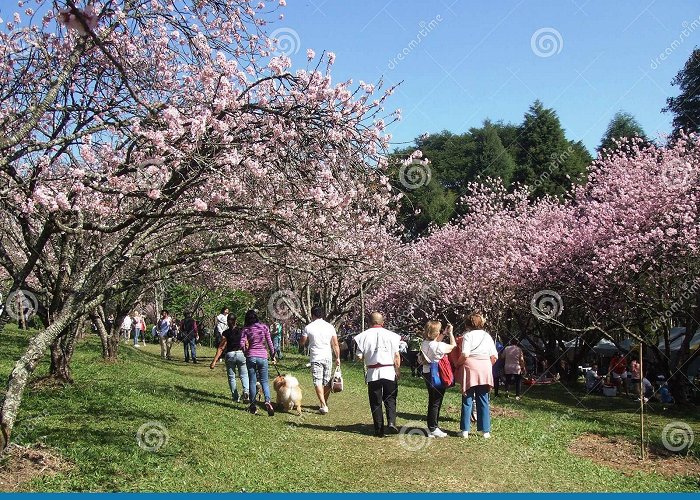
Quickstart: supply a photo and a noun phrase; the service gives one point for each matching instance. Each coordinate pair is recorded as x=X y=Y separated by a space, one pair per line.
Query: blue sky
x=478 y=60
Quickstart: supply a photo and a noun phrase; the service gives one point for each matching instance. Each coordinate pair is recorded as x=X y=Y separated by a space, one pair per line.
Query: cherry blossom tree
x=145 y=136
x=618 y=259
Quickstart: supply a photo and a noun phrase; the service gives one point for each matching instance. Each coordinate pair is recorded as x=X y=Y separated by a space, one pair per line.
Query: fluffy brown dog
x=288 y=393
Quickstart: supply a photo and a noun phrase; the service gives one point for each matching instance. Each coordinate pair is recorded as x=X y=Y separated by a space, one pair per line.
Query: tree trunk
x=113 y=346
x=62 y=350
x=102 y=333
x=26 y=365
x=60 y=362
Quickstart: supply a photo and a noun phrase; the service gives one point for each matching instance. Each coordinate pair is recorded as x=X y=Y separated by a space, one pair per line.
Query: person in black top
x=234 y=357
x=190 y=336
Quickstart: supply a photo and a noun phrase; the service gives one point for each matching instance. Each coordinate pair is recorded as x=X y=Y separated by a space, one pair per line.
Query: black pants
x=435 y=396
x=514 y=378
x=379 y=391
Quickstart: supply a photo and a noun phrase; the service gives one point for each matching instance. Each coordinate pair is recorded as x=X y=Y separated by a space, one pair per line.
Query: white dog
x=288 y=393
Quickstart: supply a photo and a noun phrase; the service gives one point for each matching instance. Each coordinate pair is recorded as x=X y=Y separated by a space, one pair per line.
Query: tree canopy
x=685 y=107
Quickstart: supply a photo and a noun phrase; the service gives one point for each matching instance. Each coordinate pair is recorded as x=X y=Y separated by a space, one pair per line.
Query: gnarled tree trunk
x=26 y=365
x=97 y=317
x=62 y=350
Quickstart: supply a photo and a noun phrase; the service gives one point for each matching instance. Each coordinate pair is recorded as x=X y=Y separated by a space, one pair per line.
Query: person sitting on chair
x=593 y=380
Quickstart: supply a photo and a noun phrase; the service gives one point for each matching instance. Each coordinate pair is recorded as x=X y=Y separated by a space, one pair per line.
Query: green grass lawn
x=215 y=445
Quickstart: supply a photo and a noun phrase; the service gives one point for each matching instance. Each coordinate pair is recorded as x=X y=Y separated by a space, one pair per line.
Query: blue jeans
x=137 y=332
x=257 y=367
x=277 y=344
x=236 y=360
x=190 y=345
x=483 y=417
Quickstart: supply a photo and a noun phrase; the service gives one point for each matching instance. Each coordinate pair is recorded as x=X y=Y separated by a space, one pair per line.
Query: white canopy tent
x=607 y=348
x=676 y=336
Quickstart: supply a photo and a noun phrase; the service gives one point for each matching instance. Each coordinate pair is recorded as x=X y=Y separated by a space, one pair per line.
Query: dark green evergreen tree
x=548 y=161
x=686 y=106
x=622 y=126
x=491 y=158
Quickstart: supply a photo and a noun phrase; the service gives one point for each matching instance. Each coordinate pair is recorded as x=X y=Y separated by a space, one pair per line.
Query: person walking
x=433 y=349
x=190 y=336
x=276 y=333
x=138 y=328
x=255 y=339
x=475 y=375
x=125 y=328
x=514 y=366
x=379 y=348
x=162 y=330
x=230 y=348
x=323 y=344
x=220 y=324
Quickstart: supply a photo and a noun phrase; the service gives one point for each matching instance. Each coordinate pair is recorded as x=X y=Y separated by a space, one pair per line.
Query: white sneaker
x=438 y=433
x=465 y=434
x=487 y=435
x=323 y=410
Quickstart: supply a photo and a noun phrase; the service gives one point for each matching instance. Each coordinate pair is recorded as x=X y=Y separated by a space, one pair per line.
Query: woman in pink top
x=476 y=376
x=255 y=337
x=514 y=365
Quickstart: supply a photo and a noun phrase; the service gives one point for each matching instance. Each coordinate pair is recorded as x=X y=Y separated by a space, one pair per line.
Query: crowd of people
x=626 y=377
x=248 y=350
x=477 y=363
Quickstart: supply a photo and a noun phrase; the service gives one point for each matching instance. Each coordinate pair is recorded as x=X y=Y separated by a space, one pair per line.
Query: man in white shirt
x=323 y=343
x=379 y=348
x=221 y=324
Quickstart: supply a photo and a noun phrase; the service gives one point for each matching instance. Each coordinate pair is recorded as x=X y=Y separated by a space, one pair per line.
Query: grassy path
x=215 y=445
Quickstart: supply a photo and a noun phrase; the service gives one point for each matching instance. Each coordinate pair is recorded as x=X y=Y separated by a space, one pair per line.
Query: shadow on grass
x=207 y=397
x=421 y=417
x=361 y=429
